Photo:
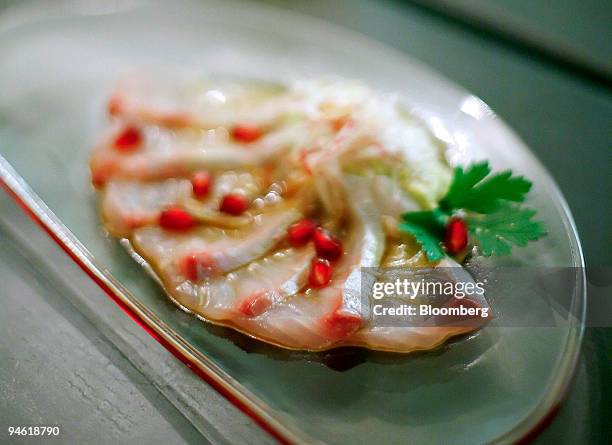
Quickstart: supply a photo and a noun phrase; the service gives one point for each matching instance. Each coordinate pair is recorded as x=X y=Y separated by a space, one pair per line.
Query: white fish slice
x=247 y=292
x=423 y=334
x=127 y=205
x=170 y=102
x=209 y=251
x=165 y=154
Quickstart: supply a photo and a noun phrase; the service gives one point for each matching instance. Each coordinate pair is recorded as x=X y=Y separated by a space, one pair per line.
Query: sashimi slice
x=164 y=154
x=420 y=333
x=179 y=103
x=206 y=252
x=127 y=205
x=367 y=246
x=247 y=292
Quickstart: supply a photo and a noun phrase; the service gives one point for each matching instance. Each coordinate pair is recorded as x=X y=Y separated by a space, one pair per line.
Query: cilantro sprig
x=489 y=204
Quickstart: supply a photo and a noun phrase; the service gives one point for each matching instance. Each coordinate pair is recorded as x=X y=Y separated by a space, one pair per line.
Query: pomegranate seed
x=234 y=204
x=129 y=139
x=301 y=232
x=201 y=183
x=246 y=132
x=456 y=237
x=320 y=273
x=176 y=218
x=326 y=245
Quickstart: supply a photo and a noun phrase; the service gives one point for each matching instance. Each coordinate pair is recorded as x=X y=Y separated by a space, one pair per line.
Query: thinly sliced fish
x=207 y=251
x=177 y=103
x=167 y=154
x=127 y=205
x=245 y=293
x=412 y=333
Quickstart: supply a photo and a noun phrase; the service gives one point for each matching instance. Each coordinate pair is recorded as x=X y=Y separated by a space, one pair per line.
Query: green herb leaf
x=427 y=227
x=434 y=219
x=430 y=243
x=511 y=224
x=470 y=190
x=462 y=183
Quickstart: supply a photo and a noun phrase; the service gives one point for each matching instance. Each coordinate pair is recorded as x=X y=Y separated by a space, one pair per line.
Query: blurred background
x=546 y=69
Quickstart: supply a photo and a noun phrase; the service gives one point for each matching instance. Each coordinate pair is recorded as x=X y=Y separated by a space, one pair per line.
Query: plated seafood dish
x=258 y=205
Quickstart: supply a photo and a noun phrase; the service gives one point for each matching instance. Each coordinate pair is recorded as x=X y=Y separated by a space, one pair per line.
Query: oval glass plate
x=495 y=386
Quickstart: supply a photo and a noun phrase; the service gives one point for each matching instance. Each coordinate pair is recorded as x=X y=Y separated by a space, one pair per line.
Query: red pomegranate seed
x=456 y=237
x=301 y=232
x=234 y=204
x=129 y=139
x=201 y=184
x=176 y=218
x=246 y=132
x=320 y=273
x=326 y=245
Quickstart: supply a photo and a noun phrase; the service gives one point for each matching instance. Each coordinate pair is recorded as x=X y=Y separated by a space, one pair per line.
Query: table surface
x=543 y=67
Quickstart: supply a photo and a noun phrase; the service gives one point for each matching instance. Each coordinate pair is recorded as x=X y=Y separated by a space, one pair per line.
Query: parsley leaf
x=470 y=190
x=434 y=219
x=427 y=227
x=495 y=233
x=462 y=183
